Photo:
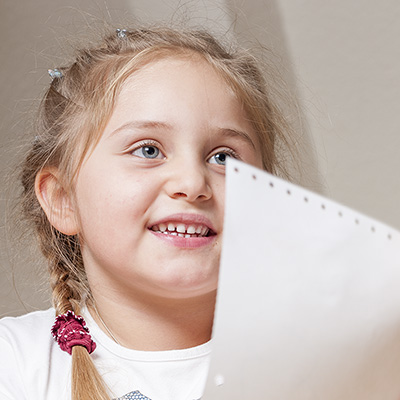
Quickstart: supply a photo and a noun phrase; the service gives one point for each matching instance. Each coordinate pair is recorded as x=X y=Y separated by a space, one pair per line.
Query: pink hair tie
x=70 y=330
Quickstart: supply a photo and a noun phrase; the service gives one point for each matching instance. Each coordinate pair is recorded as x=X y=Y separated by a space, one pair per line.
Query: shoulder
x=26 y=351
x=28 y=336
x=33 y=325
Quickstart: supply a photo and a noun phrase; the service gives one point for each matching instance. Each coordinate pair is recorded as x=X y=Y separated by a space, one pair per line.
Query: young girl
x=124 y=185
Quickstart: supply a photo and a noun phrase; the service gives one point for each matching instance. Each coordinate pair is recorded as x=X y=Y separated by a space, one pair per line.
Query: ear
x=56 y=202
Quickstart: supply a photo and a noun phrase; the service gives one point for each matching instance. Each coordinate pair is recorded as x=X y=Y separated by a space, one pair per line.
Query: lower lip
x=179 y=241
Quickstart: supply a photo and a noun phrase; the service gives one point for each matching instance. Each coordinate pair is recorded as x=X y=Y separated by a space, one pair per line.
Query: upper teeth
x=180 y=229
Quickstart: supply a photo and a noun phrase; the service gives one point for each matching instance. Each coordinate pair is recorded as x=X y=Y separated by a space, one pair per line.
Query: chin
x=189 y=286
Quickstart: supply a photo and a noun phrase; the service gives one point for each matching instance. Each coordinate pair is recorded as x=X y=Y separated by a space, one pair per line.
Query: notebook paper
x=308 y=304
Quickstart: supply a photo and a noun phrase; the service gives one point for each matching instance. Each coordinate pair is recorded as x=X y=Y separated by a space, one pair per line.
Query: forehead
x=178 y=73
x=177 y=89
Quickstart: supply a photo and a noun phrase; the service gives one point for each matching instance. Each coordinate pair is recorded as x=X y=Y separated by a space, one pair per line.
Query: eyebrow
x=142 y=125
x=236 y=133
x=229 y=132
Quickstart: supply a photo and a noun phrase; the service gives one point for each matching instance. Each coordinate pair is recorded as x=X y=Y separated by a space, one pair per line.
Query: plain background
x=340 y=58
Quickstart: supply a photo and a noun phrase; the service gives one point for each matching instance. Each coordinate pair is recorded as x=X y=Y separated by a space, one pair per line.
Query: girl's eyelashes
x=220 y=157
x=147 y=149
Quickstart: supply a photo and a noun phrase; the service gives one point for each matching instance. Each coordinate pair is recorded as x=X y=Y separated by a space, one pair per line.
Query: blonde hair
x=72 y=116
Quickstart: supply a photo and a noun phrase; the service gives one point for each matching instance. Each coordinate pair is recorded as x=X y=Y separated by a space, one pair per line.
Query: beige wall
x=347 y=58
x=340 y=57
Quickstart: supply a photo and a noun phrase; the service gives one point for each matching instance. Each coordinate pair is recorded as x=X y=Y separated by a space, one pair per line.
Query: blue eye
x=148 y=151
x=219 y=158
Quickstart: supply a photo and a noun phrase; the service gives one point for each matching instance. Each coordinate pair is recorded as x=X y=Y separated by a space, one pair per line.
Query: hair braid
x=65 y=265
x=86 y=384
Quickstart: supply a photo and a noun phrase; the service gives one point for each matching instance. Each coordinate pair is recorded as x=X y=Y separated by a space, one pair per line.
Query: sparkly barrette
x=121 y=33
x=55 y=73
x=70 y=330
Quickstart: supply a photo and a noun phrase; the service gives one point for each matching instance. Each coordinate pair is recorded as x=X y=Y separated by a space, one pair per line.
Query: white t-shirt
x=33 y=367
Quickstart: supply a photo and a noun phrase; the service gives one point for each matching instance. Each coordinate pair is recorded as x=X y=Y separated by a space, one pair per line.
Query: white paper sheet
x=309 y=297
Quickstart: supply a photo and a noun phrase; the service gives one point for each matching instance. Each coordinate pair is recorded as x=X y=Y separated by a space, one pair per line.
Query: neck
x=156 y=324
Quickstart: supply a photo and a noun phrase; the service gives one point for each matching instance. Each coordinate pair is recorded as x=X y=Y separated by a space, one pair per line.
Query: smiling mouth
x=183 y=230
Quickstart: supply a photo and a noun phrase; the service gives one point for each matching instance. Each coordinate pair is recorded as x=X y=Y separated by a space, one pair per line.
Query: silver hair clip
x=121 y=33
x=55 y=73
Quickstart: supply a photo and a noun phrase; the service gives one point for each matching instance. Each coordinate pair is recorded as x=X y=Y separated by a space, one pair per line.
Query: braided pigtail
x=87 y=384
x=68 y=279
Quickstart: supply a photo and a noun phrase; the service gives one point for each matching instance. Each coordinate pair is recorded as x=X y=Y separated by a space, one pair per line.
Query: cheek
x=113 y=203
x=219 y=196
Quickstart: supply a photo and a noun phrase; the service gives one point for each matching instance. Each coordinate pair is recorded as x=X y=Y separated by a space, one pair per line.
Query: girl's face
x=150 y=197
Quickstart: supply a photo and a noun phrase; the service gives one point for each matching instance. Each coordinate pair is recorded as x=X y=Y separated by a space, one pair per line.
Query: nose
x=189 y=181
